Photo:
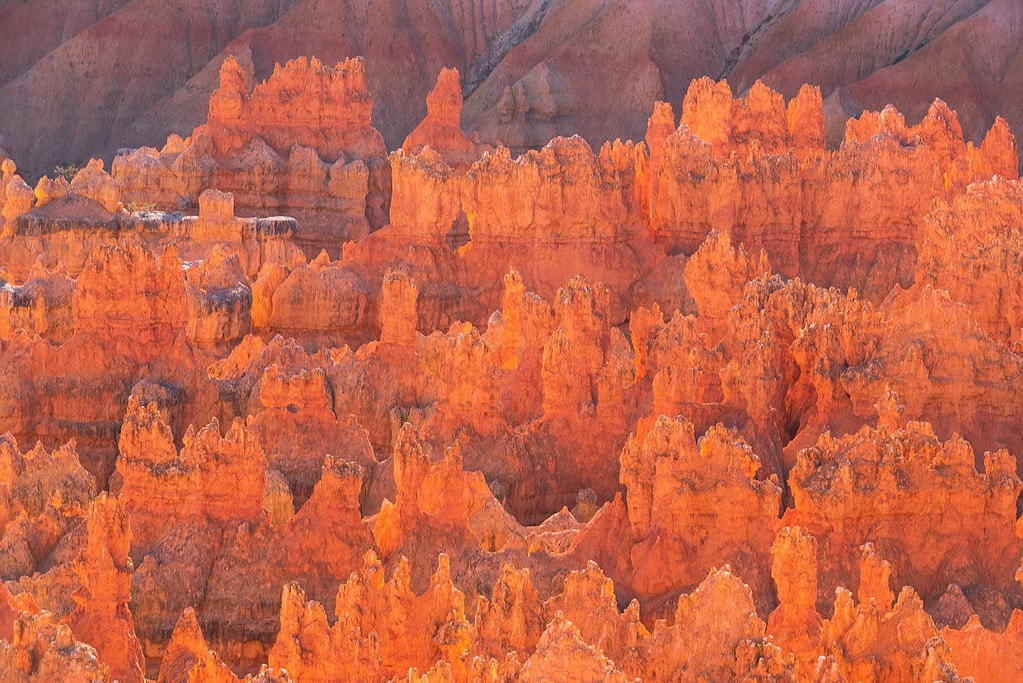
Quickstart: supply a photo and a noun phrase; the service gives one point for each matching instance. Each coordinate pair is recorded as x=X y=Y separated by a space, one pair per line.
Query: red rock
x=510 y=620
x=441 y=130
x=92 y=182
x=320 y=545
x=561 y=645
x=730 y=276
x=114 y=295
x=41 y=305
x=311 y=650
x=981 y=653
x=315 y=300
x=862 y=487
x=968 y=250
x=904 y=638
x=18 y=198
x=676 y=488
x=101 y=616
x=715 y=277
x=213 y=477
x=326 y=160
x=425 y=628
x=44 y=650
x=795 y=623
x=730 y=645
x=188 y=656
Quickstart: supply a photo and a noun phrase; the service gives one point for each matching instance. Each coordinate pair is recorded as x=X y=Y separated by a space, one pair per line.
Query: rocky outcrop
x=311 y=649
x=862 y=487
x=213 y=477
x=761 y=118
x=320 y=545
x=700 y=500
x=66 y=230
x=219 y=301
x=316 y=300
x=39 y=480
x=862 y=633
x=428 y=627
x=795 y=623
x=18 y=197
x=577 y=194
x=441 y=130
x=101 y=616
x=300 y=143
x=970 y=249
x=41 y=649
x=41 y=305
x=188 y=656
x=754 y=169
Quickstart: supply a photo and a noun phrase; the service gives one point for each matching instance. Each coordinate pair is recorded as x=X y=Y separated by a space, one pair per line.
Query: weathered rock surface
x=441 y=130
x=724 y=404
x=306 y=129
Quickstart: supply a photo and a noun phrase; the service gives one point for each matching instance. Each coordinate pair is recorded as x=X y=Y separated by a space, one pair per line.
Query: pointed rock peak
x=953 y=609
x=805 y=115
x=940 y=113
x=340 y=483
x=871 y=123
x=441 y=130
x=590 y=580
x=235 y=78
x=660 y=125
x=444 y=103
x=763 y=97
x=999 y=148
x=561 y=645
x=875 y=578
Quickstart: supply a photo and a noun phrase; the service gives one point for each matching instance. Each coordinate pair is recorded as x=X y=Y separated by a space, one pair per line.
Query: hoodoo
x=456 y=382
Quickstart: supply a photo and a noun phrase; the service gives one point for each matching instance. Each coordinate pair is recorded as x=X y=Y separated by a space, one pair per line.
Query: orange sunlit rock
x=737 y=401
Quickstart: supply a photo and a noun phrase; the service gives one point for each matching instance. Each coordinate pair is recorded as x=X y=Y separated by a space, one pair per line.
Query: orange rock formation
x=723 y=404
x=306 y=128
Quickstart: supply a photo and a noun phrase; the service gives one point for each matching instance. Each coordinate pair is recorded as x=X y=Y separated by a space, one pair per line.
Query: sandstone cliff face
x=968 y=250
x=115 y=295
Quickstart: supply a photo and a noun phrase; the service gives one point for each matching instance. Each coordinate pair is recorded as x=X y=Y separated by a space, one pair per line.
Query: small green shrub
x=67 y=171
x=135 y=207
